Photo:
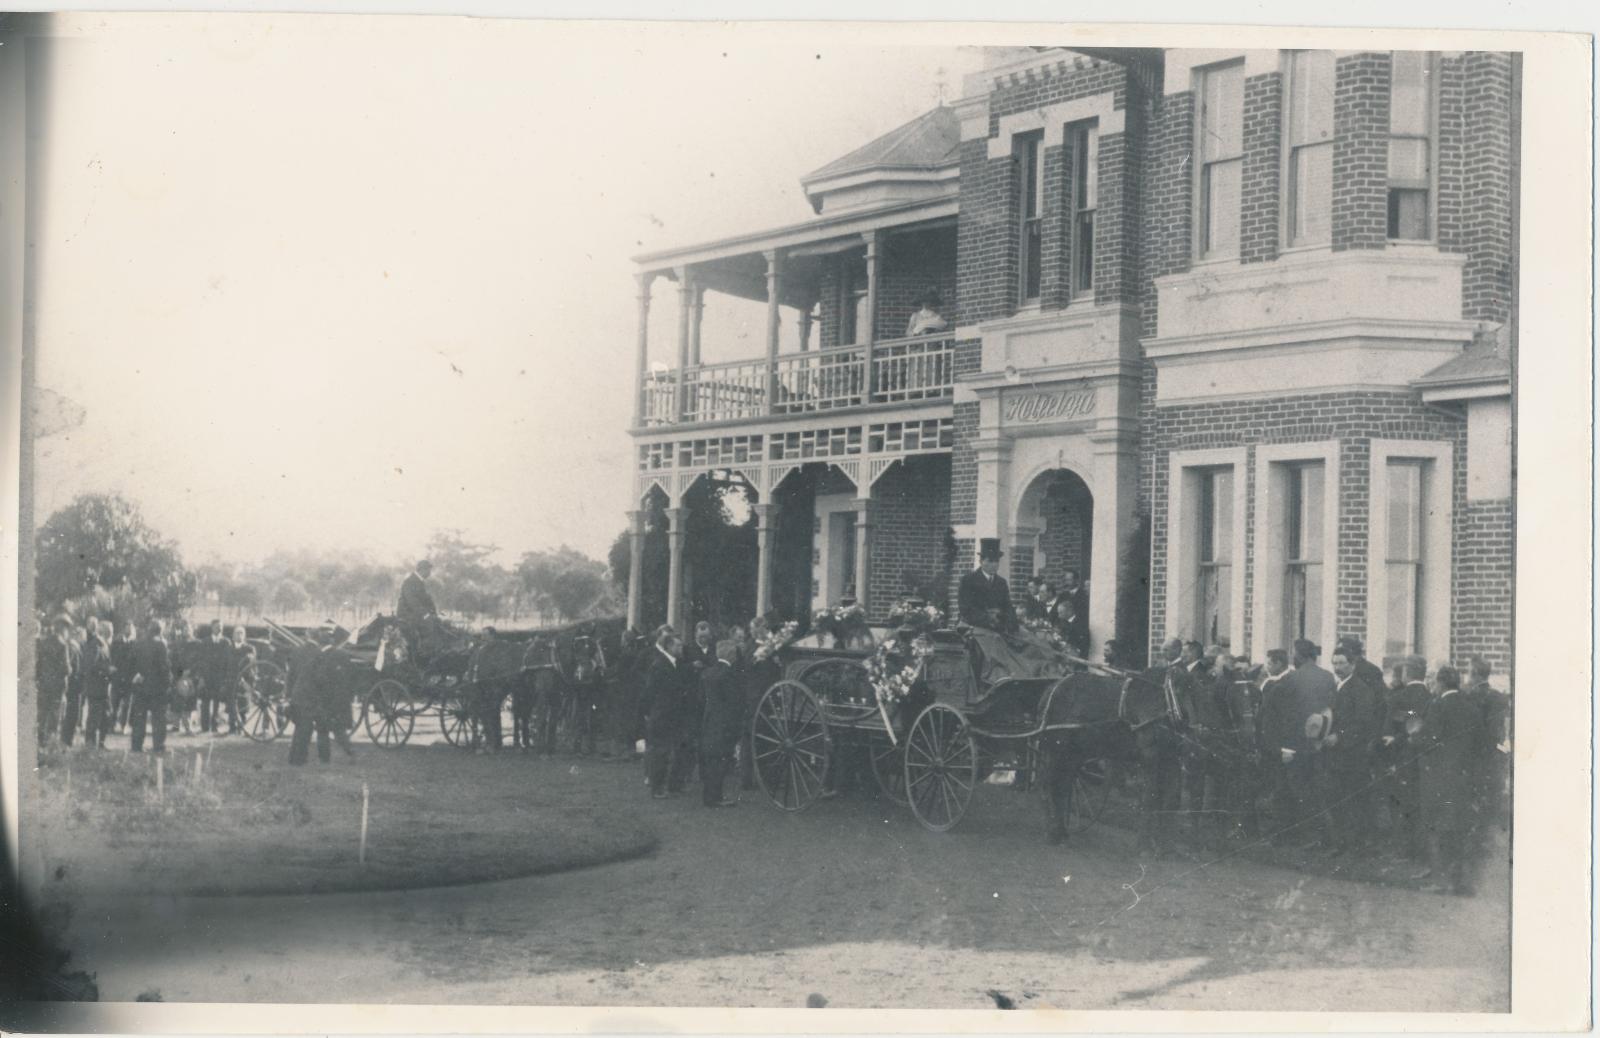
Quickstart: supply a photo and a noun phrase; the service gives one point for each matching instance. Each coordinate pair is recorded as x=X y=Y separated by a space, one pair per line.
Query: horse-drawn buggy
x=938 y=711
x=468 y=682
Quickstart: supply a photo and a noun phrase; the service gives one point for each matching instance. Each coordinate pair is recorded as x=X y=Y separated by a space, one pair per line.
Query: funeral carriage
x=936 y=711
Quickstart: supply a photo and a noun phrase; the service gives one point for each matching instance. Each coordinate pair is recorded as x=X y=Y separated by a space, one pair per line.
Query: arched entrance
x=1060 y=508
x=720 y=550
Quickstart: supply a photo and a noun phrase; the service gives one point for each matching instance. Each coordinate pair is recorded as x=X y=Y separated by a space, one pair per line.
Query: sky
x=338 y=282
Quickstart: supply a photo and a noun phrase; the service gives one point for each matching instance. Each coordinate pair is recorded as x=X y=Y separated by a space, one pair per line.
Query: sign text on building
x=1043 y=407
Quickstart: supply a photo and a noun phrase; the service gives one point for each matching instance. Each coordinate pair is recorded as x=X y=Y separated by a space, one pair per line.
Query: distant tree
x=619 y=560
x=289 y=596
x=465 y=580
x=102 y=541
x=571 y=582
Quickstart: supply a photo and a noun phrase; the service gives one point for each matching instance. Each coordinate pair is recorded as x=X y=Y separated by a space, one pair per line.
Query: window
x=1411 y=145
x=1220 y=159
x=1029 y=152
x=853 y=313
x=1403 y=563
x=1214 y=607
x=1302 y=584
x=1308 y=123
x=1085 y=140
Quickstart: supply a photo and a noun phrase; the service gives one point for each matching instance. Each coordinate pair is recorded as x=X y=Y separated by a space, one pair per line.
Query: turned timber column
x=871 y=331
x=696 y=310
x=642 y=347
x=685 y=309
x=635 y=567
x=774 y=262
x=863 y=573
x=764 y=532
x=676 y=531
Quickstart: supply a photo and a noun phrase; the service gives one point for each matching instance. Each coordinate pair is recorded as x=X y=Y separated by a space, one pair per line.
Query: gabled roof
x=930 y=141
x=1486 y=360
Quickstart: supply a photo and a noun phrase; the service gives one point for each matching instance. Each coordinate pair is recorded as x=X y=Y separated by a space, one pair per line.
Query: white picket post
x=362 y=856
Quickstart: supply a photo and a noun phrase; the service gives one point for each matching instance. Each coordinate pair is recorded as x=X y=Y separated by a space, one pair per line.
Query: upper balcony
x=912 y=370
x=821 y=316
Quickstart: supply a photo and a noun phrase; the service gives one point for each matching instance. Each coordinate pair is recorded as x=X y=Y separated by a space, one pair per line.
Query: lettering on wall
x=1064 y=405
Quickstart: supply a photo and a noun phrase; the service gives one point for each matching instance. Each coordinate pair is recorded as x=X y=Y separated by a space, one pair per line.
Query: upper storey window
x=1308 y=126
x=1413 y=145
x=1084 y=139
x=1220 y=162
x=1029 y=152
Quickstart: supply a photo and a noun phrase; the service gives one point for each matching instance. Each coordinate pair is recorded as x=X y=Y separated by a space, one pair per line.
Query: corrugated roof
x=930 y=141
x=1487 y=359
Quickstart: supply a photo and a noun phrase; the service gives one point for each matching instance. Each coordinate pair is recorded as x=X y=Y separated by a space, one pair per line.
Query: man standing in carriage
x=984 y=599
x=416 y=614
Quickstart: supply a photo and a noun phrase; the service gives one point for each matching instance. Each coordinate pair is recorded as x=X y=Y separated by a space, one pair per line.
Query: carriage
x=955 y=726
x=387 y=697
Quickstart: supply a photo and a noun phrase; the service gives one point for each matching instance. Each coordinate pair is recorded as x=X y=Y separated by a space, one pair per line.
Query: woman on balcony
x=927 y=319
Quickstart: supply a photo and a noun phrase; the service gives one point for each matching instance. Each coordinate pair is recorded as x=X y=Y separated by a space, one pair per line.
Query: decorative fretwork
x=719 y=451
x=654 y=457
x=933 y=434
x=805 y=444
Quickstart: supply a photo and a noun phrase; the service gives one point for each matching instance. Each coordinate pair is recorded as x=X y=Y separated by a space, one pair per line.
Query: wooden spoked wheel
x=889 y=767
x=941 y=767
x=792 y=745
x=387 y=715
x=456 y=718
x=1091 y=791
x=264 y=695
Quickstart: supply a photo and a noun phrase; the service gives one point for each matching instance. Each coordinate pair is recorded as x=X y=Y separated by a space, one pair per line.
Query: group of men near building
x=1349 y=762
x=92 y=682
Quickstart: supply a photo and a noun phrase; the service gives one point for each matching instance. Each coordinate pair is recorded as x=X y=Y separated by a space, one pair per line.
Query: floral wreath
x=1046 y=631
x=776 y=641
x=916 y=615
x=890 y=685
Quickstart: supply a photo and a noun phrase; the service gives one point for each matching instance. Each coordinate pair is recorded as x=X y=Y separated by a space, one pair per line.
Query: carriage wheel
x=456 y=719
x=889 y=767
x=1091 y=791
x=941 y=767
x=792 y=745
x=265 y=694
x=386 y=712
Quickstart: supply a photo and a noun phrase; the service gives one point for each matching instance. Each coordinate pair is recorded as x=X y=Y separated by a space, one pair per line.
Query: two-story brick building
x=1229 y=333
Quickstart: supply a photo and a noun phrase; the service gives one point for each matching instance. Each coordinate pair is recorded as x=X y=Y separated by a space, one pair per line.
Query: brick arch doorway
x=1058 y=510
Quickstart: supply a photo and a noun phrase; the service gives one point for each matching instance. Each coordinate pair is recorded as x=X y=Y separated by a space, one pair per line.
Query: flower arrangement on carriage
x=1046 y=632
x=775 y=642
x=844 y=623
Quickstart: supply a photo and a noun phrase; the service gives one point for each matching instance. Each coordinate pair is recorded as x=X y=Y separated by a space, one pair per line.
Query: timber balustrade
x=895 y=371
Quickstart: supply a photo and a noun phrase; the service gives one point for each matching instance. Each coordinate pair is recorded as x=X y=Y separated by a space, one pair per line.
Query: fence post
x=361 y=858
x=161 y=772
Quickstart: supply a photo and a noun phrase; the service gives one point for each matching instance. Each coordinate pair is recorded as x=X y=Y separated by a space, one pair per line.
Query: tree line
x=98 y=556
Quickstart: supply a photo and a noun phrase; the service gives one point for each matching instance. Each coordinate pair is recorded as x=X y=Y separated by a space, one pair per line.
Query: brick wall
x=1353 y=419
x=830 y=319
x=1116 y=219
x=1055 y=289
x=986 y=251
x=1260 y=194
x=910 y=516
x=964 y=465
x=1486 y=186
x=1481 y=605
x=1361 y=151
x=1167 y=198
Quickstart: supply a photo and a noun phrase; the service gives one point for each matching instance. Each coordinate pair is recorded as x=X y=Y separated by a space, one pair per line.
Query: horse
x=1124 y=718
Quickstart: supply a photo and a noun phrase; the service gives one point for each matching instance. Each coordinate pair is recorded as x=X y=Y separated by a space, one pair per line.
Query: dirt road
x=851 y=901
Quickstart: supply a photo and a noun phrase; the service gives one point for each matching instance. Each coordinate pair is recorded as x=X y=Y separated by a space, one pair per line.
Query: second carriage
x=945 y=726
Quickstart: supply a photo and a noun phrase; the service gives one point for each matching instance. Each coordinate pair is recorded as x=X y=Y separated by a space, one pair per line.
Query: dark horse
x=1122 y=718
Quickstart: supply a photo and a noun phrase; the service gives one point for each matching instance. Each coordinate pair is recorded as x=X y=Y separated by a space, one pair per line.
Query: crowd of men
x=94 y=682
x=1350 y=762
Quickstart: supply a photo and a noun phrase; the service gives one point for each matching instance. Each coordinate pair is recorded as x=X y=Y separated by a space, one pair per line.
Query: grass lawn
x=251 y=824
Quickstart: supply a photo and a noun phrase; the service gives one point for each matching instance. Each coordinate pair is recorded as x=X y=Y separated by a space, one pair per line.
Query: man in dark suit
x=983 y=598
x=314 y=700
x=52 y=671
x=1346 y=754
x=1407 y=705
x=1284 y=751
x=1448 y=743
x=1075 y=612
x=122 y=667
x=666 y=723
x=1494 y=758
x=722 y=690
x=152 y=680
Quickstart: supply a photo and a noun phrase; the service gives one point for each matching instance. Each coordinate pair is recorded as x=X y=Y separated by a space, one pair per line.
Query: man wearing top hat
x=983 y=598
